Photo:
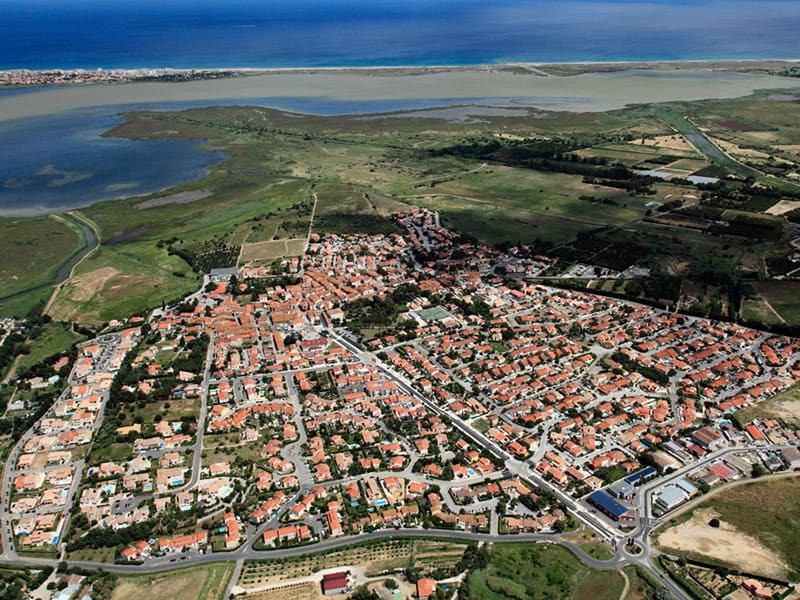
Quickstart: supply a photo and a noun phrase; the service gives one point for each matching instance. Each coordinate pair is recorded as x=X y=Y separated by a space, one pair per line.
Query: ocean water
x=58 y=162
x=297 y=33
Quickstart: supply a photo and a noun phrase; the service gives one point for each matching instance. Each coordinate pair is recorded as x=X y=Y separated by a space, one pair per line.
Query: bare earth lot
x=725 y=543
x=270 y=250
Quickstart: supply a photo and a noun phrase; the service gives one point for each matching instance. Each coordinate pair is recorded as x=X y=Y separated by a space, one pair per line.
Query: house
x=335 y=583
x=708 y=438
x=183 y=542
x=425 y=588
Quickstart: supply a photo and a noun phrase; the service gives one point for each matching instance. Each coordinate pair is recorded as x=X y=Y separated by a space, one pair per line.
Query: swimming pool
x=471 y=472
x=381 y=502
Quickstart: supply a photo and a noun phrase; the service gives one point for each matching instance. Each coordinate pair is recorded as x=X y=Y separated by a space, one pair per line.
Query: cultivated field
x=374 y=558
x=207 y=582
x=271 y=250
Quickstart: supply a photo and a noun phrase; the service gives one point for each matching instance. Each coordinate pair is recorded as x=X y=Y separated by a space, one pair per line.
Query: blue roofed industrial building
x=607 y=505
x=641 y=476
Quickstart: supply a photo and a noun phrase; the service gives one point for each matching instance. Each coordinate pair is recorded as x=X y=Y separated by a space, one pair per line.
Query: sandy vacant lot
x=783 y=207
x=270 y=250
x=88 y=284
x=787 y=409
x=670 y=142
x=725 y=543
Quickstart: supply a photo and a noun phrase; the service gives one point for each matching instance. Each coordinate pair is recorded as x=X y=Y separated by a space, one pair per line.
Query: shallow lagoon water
x=61 y=161
x=58 y=162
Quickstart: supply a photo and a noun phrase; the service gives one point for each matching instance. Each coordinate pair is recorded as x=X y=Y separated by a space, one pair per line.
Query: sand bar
x=584 y=92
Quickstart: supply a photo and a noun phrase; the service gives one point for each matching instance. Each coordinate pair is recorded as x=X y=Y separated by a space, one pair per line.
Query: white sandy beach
x=585 y=92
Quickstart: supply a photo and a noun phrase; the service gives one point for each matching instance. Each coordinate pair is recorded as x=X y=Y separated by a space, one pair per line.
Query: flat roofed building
x=224 y=275
x=791 y=456
x=609 y=506
x=671 y=496
x=622 y=489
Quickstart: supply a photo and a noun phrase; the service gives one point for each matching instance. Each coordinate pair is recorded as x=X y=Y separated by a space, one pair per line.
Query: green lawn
x=529 y=571
x=115 y=452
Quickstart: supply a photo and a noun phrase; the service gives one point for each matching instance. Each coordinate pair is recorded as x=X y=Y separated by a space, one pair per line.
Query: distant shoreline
x=577 y=87
x=166 y=70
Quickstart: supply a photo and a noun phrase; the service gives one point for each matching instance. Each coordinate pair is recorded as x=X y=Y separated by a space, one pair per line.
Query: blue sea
x=301 y=33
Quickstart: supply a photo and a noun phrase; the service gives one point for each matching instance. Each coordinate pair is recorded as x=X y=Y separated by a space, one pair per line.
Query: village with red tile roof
x=392 y=382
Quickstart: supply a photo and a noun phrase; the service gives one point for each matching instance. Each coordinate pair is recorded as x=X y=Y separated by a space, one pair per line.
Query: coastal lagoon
x=58 y=162
x=57 y=158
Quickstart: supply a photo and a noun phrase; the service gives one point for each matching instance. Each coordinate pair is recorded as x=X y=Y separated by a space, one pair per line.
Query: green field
x=641 y=586
x=783 y=296
x=52 y=338
x=118 y=281
x=525 y=571
x=32 y=249
x=23 y=305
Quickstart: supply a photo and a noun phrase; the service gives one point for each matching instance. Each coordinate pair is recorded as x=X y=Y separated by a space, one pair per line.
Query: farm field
x=373 y=557
x=529 y=570
x=761 y=541
x=207 y=582
x=269 y=251
x=783 y=296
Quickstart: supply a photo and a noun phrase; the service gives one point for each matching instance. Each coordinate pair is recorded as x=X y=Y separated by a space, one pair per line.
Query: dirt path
x=627 y=584
x=11 y=369
x=774 y=312
x=89 y=223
